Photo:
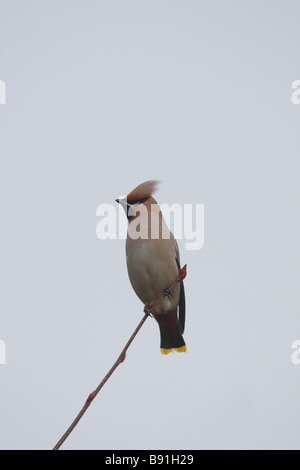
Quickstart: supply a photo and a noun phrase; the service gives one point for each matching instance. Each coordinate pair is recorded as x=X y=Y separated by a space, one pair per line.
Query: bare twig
x=121 y=358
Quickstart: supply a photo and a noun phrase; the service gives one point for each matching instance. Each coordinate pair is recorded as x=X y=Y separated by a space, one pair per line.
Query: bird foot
x=167 y=291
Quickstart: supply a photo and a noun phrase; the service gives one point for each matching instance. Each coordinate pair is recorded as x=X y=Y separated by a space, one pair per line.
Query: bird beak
x=129 y=210
x=123 y=203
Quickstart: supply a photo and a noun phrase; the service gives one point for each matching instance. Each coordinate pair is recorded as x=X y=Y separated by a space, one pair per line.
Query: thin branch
x=121 y=358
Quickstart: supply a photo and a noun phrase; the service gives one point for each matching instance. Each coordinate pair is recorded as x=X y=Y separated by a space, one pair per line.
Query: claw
x=147 y=309
x=167 y=291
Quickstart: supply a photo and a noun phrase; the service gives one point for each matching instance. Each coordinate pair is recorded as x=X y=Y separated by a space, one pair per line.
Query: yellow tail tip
x=167 y=351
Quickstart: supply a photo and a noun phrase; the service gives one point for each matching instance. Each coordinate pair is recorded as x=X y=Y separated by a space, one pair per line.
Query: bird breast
x=152 y=266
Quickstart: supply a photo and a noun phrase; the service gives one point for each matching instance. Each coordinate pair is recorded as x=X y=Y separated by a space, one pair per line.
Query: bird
x=153 y=262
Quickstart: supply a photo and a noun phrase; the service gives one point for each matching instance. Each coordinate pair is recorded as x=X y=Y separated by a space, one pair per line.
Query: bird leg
x=167 y=291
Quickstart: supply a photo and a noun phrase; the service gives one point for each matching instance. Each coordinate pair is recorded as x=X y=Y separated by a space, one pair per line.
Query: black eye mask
x=134 y=203
x=137 y=202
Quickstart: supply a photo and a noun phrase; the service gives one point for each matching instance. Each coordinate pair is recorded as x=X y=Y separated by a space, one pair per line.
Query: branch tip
x=182 y=273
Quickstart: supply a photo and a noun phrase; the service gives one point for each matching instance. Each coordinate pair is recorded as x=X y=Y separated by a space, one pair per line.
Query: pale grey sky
x=101 y=96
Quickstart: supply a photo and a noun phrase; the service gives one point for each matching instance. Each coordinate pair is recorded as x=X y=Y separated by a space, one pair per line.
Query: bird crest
x=142 y=191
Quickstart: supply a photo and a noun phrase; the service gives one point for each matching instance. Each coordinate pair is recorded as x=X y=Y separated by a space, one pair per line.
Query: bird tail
x=171 y=338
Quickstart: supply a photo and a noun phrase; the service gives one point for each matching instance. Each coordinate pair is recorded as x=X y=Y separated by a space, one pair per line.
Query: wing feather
x=181 y=317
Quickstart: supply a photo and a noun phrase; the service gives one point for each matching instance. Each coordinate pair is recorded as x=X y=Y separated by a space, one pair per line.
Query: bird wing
x=181 y=304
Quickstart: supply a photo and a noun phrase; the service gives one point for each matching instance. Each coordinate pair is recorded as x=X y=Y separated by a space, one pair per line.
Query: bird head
x=139 y=196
